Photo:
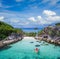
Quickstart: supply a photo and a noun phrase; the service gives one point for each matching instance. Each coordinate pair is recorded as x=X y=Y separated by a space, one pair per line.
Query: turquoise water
x=25 y=50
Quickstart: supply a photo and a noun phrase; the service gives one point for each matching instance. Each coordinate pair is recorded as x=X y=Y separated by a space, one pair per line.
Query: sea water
x=31 y=29
x=26 y=50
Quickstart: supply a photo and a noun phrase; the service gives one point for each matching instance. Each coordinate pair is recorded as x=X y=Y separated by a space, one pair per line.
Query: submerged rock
x=58 y=58
x=37 y=45
x=44 y=44
x=31 y=42
x=37 y=41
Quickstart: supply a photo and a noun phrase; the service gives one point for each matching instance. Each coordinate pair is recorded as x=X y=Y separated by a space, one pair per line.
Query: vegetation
x=17 y=30
x=40 y=32
x=31 y=34
x=6 y=30
x=58 y=24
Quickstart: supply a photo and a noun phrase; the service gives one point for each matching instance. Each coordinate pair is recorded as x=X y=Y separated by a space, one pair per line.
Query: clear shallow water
x=25 y=50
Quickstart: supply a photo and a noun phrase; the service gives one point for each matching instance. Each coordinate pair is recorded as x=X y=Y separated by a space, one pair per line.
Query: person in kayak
x=36 y=50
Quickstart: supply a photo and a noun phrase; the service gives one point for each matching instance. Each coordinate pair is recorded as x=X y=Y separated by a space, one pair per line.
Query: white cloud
x=39 y=20
x=20 y=24
x=4 y=6
x=32 y=6
x=39 y=17
x=13 y=18
x=42 y=21
x=51 y=17
x=32 y=19
x=44 y=1
x=32 y=0
x=54 y=18
x=26 y=23
x=54 y=2
x=51 y=2
x=1 y=18
x=49 y=12
x=14 y=21
x=7 y=6
x=23 y=23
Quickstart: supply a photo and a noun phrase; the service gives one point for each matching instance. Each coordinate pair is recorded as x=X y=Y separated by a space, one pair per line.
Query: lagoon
x=25 y=50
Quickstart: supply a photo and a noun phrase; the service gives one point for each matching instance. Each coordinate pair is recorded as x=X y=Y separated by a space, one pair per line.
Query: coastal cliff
x=51 y=34
x=9 y=34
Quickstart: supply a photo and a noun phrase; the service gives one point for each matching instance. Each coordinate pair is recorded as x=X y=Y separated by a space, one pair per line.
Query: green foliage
x=58 y=33
x=52 y=33
x=58 y=24
x=17 y=30
x=6 y=30
x=31 y=34
x=40 y=32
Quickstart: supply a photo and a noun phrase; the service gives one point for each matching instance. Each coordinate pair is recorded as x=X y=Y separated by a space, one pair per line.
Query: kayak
x=36 y=50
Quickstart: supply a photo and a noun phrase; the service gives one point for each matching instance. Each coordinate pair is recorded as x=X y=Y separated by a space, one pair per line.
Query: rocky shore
x=7 y=42
x=52 y=41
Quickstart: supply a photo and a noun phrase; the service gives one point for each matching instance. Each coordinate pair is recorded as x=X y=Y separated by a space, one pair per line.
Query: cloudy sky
x=30 y=13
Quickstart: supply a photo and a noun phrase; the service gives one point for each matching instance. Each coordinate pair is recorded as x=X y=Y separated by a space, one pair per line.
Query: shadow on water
x=37 y=41
x=37 y=45
x=31 y=42
x=57 y=45
x=58 y=58
x=5 y=48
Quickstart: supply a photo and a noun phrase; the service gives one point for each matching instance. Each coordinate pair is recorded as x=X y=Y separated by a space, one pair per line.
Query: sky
x=30 y=13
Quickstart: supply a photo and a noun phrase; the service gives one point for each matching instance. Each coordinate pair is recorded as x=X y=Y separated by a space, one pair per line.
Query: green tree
x=6 y=30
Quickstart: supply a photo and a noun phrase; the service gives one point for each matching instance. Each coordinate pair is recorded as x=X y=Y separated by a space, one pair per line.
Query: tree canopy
x=57 y=24
x=6 y=30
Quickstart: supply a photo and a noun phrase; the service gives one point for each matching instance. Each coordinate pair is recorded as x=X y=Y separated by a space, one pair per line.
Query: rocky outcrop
x=1 y=44
x=7 y=42
x=51 y=34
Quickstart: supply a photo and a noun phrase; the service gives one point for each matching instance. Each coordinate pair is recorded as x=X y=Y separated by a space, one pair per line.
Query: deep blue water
x=31 y=29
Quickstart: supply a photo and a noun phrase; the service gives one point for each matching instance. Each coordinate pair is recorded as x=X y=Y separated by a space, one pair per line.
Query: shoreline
x=51 y=41
x=8 y=42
